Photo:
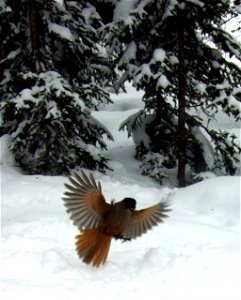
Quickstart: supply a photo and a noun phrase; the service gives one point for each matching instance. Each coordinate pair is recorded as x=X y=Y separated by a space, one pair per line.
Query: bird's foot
x=124 y=240
x=120 y=237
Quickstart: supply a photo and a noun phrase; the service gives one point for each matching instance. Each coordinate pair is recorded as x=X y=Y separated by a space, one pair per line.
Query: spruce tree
x=53 y=72
x=179 y=54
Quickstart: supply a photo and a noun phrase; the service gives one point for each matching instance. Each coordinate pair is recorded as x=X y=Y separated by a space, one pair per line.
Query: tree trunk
x=181 y=131
x=36 y=30
x=1 y=68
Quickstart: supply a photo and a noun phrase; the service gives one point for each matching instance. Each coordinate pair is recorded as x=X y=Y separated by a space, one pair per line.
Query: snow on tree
x=144 y=41
x=52 y=73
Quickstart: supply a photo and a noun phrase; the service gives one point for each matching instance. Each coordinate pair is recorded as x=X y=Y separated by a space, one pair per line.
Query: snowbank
x=193 y=255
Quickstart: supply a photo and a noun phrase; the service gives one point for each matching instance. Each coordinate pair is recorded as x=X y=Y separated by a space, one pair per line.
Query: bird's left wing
x=145 y=219
x=84 y=201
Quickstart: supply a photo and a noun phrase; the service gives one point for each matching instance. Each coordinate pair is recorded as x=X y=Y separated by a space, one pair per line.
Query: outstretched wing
x=84 y=201
x=145 y=219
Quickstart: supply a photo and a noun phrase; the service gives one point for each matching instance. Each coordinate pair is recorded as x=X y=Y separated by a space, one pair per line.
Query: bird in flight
x=99 y=221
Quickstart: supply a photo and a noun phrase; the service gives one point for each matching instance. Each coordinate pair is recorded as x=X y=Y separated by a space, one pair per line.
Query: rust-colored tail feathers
x=93 y=246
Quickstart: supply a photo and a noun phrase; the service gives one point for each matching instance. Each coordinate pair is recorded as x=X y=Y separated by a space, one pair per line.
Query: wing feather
x=145 y=219
x=85 y=178
x=93 y=182
x=99 y=187
x=74 y=182
x=84 y=201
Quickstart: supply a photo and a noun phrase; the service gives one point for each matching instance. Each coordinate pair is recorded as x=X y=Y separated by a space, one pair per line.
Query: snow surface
x=159 y=55
x=130 y=53
x=122 y=10
x=163 y=81
x=194 y=255
x=62 y=31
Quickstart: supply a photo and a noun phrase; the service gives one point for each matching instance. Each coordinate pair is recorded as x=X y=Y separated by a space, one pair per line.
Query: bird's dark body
x=115 y=221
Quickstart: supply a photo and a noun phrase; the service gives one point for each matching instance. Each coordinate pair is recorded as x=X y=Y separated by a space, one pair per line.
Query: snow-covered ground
x=194 y=255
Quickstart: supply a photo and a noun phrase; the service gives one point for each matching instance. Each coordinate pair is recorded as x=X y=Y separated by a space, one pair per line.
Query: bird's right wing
x=145 y=219
x=84 y=201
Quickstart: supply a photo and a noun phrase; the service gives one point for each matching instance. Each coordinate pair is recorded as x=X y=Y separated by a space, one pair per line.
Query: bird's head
x=129 y=203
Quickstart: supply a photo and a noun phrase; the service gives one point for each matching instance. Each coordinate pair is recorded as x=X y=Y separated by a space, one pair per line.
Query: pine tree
x=178 y=51
x=53 y=72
